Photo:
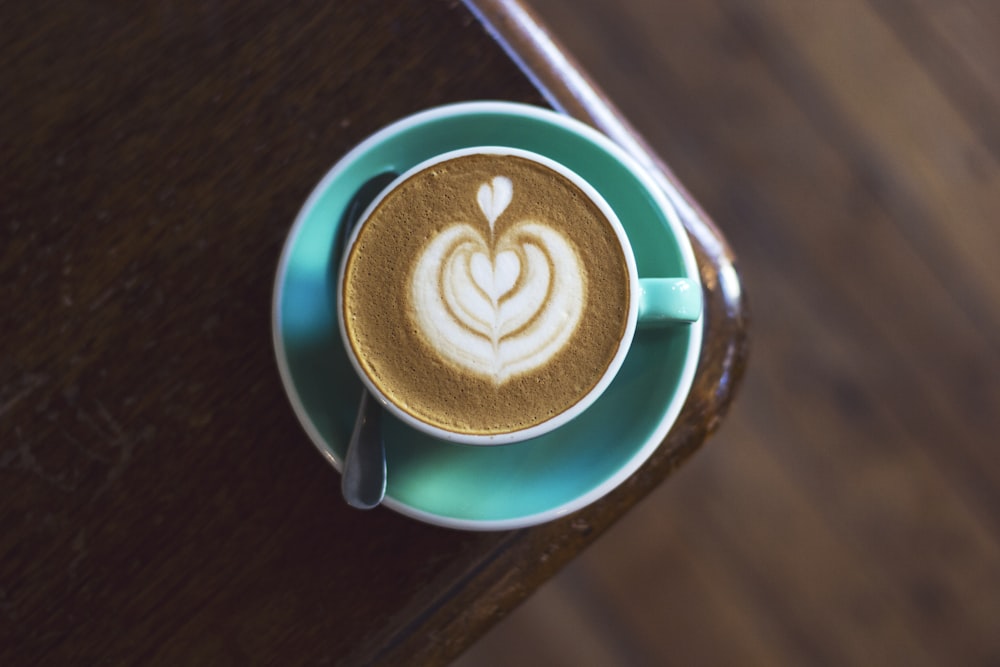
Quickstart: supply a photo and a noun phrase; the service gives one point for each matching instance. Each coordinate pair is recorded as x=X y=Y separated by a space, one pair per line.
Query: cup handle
x=664 y=301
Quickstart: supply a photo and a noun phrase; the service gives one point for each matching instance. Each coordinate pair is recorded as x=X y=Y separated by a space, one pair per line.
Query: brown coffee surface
x=406 y=362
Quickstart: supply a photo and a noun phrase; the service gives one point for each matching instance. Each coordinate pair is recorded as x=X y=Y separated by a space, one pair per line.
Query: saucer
x=487 y=487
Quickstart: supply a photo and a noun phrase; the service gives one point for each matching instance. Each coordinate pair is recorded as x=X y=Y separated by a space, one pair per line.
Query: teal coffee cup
x=440 y=474
x=490 y=295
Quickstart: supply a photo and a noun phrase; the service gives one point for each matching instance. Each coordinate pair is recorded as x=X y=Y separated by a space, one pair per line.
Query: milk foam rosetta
x=500 y=306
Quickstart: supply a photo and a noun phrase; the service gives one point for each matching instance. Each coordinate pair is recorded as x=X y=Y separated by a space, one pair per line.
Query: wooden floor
x=848 y=512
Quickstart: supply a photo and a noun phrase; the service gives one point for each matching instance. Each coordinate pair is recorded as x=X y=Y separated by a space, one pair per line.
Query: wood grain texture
x=847 y=512
x=161 y=505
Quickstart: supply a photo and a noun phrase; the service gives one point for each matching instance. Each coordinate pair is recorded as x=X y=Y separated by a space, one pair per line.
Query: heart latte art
x=498 y=306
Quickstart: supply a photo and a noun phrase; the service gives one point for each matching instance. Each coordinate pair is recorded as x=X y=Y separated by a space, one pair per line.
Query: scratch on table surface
x=80 y=552
x=31 y=451
x=111 y=432
x=101 y=299
x=31 y=383
x=23 y=458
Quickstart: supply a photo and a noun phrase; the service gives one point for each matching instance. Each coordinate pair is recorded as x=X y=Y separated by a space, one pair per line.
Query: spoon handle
x=363 y=481
x=363 y=478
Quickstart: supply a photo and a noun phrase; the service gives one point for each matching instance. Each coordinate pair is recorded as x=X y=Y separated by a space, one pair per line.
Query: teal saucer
x=487 y=487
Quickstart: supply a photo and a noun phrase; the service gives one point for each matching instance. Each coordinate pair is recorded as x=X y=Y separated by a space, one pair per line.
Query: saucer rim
x=668 y=416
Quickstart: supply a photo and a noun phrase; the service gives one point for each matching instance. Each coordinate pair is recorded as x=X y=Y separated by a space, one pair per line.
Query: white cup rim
x=612 y=368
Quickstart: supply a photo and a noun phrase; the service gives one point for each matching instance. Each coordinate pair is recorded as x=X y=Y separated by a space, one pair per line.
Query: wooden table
x=160 y=503
x=848 y=511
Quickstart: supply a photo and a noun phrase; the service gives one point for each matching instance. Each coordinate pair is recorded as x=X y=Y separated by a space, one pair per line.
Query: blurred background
x=848 y=511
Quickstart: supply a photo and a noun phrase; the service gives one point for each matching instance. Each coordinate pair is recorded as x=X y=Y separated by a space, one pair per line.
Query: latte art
x=485 y=294
x=503 y=308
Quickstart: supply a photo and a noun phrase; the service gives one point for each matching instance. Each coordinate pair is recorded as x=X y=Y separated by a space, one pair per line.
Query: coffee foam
x=495 y=294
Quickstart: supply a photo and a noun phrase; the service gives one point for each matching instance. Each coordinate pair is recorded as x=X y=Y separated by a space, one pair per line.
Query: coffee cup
x=490 y=295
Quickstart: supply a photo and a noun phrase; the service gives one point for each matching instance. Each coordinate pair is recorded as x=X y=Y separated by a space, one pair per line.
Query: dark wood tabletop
x=159 y=502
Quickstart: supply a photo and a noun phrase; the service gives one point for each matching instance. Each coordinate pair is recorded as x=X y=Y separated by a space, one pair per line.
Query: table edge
x=520 y=561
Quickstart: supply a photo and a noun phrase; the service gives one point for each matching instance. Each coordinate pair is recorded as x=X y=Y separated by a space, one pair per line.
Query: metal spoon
x=363 y=478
